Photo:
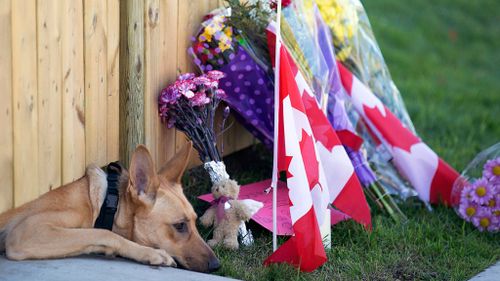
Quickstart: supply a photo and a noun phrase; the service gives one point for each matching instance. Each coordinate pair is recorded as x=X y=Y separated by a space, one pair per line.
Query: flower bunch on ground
x=480 y=201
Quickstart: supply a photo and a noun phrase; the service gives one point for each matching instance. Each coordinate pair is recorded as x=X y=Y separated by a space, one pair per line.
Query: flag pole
x=274 y=182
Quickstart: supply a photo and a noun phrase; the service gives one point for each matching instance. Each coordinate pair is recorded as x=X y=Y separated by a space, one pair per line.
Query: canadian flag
x=421 y=166
x=318 y=168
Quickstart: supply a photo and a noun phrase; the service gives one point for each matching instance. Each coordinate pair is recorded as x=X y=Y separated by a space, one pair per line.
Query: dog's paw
x=159 y=257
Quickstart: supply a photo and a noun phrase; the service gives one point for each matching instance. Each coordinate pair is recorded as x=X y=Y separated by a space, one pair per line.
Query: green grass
x=443 y=56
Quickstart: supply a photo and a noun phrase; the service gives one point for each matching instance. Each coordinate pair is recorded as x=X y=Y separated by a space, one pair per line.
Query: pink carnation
x=215 y=74
x=200 y=99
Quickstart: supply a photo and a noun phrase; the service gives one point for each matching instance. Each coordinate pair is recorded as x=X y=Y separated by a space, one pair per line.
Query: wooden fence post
x=131 y=77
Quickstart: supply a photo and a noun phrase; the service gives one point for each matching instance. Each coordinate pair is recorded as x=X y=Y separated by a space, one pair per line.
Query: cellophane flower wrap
x=302 y=36
x=476 y=193
x=357 y=48
x=218 y=45
x=311 y=45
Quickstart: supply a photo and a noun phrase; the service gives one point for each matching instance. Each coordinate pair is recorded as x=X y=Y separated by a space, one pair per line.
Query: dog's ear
x=174 y=169
x=143 y=180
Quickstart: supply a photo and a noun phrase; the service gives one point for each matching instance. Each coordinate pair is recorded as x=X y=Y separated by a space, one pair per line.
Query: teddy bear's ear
x=175 y=167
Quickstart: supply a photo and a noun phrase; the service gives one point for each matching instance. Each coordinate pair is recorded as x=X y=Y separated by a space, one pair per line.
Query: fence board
x=73 y=99
x=160 y=55
x=6 y=150
x=49 y=94
x=95 y=25
x=24 y=90
x=59 y=96
x=190 y=16
x=113 y=42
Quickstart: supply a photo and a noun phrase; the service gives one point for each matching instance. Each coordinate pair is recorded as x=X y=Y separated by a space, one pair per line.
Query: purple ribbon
x=361 y=167
x=219 y=203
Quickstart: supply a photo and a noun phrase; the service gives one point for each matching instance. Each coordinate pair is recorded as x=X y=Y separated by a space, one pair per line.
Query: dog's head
x=162 y=216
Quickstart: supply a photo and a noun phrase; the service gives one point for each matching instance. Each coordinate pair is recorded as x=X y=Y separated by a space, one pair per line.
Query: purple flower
x=492 y=170
x=468 y=210
x=201 y=80
x=482 y=191
x=484 y=220
x=200 y=99
x=226 y=112
x=215 y=74
x=221 y=94
x=466 y=191
x=494 y=203
x=169 y=95
x=186 y=88
x=186 y=76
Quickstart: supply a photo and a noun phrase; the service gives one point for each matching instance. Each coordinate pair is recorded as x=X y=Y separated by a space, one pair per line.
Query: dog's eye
x=181 y=227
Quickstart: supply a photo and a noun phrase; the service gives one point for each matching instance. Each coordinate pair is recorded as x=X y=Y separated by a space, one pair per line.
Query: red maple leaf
x=390 y=128
x=311 y=163
x=322 y=129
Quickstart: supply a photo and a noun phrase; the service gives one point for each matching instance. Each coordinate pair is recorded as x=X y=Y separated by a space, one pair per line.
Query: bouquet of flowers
x=251 y=82
x=476 y=194
x=312 y=40
x=189 y=105
x=357 y=49
x=219 y=45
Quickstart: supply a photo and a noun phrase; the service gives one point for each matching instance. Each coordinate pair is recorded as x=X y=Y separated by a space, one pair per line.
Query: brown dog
x=154 y=222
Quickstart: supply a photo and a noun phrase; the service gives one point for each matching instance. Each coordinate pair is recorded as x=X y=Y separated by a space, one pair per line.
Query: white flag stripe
x=339 y=166
x=362 y=96
x=418 y=166
x=297 y=184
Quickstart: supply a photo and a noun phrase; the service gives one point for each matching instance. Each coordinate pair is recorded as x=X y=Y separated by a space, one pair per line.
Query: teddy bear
x=227 y=213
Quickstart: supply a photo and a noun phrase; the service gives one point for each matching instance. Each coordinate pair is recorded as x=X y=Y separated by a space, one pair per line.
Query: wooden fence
x=60 y=92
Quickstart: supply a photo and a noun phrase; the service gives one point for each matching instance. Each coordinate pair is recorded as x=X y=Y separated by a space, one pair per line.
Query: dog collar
x=110 y=204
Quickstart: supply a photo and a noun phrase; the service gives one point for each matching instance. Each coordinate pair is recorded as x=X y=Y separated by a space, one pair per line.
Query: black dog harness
x=110 y=204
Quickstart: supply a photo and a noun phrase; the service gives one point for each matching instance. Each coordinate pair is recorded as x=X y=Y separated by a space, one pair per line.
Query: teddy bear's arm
x=245 y=209
x=208 y=217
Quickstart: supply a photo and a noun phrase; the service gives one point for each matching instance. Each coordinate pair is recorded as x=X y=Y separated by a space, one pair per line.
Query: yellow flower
x=228 y=31
x=206 y=36
x=344 y=53
x=223 y=46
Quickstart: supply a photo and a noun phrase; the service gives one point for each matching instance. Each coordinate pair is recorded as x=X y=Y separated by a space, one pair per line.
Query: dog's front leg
x=56 y=242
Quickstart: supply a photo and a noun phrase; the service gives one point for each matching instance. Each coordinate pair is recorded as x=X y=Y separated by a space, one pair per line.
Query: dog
x=154 y=222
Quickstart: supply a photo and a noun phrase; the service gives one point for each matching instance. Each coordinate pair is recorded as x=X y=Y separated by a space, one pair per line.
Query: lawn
x=444 y=58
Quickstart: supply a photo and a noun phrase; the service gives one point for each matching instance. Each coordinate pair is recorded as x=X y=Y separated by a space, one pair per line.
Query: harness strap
x=110 y=204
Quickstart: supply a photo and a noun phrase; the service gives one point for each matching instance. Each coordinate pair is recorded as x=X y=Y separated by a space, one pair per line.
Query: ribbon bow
x=219 y=203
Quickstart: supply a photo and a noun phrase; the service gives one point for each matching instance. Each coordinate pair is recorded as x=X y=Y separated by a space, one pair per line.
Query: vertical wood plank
x=131 y=77
x=24 y=89
x=6 y=149
x=190 y=16
x=49 y=94
x=73 y=98
x=95 y=25
x=113 y=23
x=160 y=70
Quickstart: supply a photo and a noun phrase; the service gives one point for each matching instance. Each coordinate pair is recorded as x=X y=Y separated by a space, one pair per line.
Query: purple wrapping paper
x=250 y=94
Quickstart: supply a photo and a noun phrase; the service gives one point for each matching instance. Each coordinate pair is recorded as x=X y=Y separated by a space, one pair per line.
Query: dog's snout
x=213 y=264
